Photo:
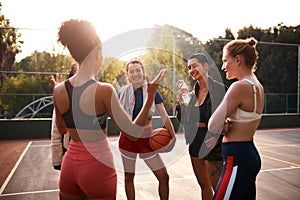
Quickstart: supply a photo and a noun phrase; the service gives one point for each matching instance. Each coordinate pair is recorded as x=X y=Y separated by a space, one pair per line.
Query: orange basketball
x=160 y=137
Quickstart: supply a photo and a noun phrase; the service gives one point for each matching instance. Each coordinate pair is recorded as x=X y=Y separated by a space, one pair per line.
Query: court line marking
x=40 y=145
x=293 y=166
x=189 y=177
x=277 y=145
x=141 y=182
x=279 y=160
x=14 y=169
x=31 y=192
x=278 y=129
x=279 y=169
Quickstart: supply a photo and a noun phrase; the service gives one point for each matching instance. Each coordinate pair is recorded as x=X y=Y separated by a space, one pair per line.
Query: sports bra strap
x=254 y=90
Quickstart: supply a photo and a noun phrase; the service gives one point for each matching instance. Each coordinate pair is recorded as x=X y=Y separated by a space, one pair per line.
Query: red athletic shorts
x=130 y=148
x=88 y=170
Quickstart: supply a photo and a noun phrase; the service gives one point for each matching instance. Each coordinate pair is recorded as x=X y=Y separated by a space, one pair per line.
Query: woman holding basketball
x=82 y=106
x=132 y=98
x=243 y=106
x=203 y=146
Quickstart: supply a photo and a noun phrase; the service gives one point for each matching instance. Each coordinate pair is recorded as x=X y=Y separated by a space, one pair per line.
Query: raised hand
x=153 y=85
x=58 y=79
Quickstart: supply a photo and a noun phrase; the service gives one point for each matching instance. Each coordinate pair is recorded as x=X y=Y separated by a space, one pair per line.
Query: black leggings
x=242 y=164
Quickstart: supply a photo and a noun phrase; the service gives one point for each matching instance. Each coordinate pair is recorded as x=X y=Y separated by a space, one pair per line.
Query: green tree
x=32 y=79
x=113 y=72
x=277 y=63
x=160 y=54
x=10 y=46
x=214 y=47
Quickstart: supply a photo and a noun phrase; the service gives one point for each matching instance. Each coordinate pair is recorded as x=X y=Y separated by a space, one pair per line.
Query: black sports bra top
x=204 y=110
x=75 y=114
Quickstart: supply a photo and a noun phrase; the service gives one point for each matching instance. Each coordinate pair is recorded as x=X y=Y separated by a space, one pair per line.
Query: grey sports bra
x=243 y=116
x=75 y=117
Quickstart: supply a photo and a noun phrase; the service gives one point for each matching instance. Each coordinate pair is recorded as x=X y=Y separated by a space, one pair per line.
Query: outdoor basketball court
x=34 y=178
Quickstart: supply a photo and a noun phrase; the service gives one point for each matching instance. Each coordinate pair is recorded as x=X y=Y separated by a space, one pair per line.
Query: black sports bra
x=75 y=114
x=204 y=109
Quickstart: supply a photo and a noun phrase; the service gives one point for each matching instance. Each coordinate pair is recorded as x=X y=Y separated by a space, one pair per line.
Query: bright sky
x=203 y=19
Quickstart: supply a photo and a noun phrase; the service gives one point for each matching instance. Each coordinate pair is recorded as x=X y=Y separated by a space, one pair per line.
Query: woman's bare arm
x=119 y=115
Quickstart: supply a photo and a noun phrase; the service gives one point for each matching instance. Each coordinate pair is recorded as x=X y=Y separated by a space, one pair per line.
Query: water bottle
x=186 y=96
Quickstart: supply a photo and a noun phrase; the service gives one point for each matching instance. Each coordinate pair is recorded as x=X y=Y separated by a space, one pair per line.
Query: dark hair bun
x=252 y=42
x=66 y=30
x=79 y=36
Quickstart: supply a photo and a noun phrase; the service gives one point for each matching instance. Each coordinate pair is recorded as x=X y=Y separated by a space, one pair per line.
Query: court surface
x=34 y=178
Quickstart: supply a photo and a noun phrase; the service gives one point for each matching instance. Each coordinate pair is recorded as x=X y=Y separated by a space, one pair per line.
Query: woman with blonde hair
x=242 y=106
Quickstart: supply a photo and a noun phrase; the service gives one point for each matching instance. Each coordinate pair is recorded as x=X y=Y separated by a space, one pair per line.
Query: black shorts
x=198 y=148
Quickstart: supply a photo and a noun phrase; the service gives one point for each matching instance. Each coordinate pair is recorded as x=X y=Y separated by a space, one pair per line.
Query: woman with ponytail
x=242 y=107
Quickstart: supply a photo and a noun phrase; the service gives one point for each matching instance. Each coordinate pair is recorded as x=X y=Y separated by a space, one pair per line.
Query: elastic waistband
x=148 y=129
x=242 y=151
x=233 y=147
x=90 y=150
